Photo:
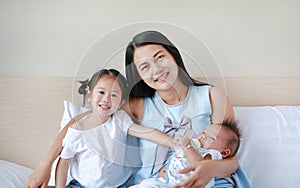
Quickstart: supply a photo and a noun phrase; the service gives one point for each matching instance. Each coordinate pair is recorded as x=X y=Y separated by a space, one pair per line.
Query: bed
x=270 y=125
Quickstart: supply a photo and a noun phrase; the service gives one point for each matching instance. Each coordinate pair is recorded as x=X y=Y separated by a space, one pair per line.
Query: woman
x=162 y=95
x=162 y=88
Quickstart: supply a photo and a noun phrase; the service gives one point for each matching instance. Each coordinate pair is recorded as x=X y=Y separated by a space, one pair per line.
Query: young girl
x=95 y=144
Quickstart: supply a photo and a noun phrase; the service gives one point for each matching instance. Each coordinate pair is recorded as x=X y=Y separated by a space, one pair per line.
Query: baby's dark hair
x=233 y=141
x=90 y=84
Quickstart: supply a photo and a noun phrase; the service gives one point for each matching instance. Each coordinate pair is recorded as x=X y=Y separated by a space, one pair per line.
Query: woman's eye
x=160 y=58
x=144 y=67
x=101 y=92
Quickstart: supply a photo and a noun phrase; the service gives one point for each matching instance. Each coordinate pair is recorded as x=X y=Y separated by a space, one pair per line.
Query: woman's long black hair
x=138 y=87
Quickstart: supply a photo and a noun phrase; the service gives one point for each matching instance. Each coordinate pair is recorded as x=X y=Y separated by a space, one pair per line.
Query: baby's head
x=224 y=137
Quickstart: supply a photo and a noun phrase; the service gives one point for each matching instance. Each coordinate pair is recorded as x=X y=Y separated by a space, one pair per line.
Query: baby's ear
x=225 y=153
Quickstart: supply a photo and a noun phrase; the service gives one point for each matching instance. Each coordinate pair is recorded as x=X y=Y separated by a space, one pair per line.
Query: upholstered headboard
x=32 y=108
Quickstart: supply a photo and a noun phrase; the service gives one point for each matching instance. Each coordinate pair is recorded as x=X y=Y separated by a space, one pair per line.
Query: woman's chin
x=161 y=85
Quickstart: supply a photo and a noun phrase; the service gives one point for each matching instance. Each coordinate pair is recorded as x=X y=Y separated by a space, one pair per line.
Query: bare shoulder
x=135 y=108
x=216 y=92
x=221 y=106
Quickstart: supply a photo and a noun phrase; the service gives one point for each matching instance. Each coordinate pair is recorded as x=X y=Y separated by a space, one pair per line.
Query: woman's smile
x=156 y=66
x=161 y=78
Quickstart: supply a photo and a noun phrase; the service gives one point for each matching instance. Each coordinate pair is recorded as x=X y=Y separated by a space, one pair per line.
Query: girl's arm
x=41 y=175
x=151 y=134
x=205 y=170
x=62 y=172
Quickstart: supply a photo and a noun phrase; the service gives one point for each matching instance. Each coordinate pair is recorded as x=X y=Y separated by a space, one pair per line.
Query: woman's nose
x=156 y=69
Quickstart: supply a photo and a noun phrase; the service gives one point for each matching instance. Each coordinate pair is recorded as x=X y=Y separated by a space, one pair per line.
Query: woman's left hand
x=203 y=173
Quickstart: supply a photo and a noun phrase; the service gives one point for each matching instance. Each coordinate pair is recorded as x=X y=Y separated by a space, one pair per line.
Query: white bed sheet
x=13 y=175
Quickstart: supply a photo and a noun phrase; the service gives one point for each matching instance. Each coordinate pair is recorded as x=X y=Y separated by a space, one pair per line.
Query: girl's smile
x=106 y=97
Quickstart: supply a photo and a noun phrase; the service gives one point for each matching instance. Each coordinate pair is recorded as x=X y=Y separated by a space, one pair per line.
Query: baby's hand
x=182 y=142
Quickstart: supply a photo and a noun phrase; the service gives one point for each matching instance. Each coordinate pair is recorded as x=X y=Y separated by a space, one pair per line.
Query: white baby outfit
x=179 y=162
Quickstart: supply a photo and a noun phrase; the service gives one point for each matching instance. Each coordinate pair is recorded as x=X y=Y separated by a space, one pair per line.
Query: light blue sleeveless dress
x=196 y=107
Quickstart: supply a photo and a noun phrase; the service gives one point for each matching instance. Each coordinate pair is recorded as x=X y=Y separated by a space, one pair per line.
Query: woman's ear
x=225 y=153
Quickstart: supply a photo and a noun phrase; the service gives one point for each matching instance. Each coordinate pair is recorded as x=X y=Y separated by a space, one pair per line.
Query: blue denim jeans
x=74 y=184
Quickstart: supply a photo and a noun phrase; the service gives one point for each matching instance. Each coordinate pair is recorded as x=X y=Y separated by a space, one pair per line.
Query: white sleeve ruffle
x=72 y=144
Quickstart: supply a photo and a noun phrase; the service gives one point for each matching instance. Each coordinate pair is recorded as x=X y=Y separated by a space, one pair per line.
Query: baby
x=216 y=142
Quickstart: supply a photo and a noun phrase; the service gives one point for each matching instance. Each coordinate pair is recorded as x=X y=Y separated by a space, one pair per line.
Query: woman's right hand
x=39 y=177
x=203 y=172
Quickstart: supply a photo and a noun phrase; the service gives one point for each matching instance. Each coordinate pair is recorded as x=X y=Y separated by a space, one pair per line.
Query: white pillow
x=13 y=175
x=270 y=145
x=71 y=110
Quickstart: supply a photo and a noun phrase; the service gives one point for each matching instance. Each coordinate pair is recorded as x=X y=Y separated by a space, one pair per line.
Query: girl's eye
x=101 y=92
x=114 y=95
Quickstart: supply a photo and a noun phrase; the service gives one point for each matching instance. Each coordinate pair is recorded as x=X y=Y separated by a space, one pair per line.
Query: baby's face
x=211 y=137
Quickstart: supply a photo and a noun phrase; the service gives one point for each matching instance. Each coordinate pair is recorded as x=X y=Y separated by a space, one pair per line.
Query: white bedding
x=13 y=175
x=270 y=148
x=269 y=152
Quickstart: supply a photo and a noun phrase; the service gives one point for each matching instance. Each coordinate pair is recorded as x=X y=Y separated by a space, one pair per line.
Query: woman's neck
x=175 y=94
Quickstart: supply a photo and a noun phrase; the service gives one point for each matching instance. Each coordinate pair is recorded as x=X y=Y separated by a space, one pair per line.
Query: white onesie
x=179 y=162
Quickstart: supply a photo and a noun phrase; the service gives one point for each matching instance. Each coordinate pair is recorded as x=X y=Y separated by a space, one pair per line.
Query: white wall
x=43 y=39
x=248 y=38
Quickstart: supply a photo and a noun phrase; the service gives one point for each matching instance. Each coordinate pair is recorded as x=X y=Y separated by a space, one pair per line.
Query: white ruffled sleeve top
x=98 y=153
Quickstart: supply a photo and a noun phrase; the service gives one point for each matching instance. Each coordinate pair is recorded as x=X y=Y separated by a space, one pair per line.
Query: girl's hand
x=181 y=143
x=203 y=173
x=39 y=177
